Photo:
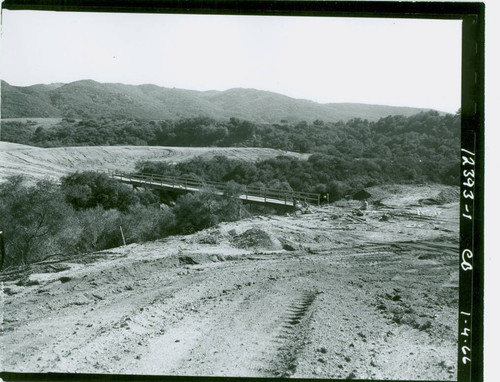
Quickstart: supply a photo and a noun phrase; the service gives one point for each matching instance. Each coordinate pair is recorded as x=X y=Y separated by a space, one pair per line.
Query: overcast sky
x=379 y=61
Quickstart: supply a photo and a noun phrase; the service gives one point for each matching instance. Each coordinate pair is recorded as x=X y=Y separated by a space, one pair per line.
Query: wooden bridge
x=287 y=198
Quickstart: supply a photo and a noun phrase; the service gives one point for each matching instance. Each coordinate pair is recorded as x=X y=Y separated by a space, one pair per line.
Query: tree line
x=420 y=148
x=419 y=135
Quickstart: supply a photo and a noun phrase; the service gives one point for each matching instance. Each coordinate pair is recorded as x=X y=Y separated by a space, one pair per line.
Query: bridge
x=270 y=196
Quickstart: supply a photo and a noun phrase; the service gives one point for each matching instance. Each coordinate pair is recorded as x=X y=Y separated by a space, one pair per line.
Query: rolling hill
x=32 y=101
x=91 y=99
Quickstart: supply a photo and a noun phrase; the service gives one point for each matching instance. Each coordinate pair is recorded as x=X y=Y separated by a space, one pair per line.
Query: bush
x=144 y=223
x=202 y=210
x=100 y=229
x=147 y=197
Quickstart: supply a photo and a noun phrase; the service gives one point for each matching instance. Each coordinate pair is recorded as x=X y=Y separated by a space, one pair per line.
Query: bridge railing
x=290 y=197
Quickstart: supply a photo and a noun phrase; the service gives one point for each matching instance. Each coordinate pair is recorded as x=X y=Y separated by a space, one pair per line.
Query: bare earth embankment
x=326 y=294
x=53 y=163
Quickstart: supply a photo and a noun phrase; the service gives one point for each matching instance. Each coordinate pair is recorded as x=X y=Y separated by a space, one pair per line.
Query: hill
x=91 y=99
x=31 y=101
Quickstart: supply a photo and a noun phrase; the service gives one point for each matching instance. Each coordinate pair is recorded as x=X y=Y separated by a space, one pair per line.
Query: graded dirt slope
x=334 y=292
x=55 y=162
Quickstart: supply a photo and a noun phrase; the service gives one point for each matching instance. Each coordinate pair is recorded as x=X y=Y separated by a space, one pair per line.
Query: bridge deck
x=264 y=196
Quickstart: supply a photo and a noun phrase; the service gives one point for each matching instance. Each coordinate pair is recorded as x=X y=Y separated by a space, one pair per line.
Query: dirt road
x=335 y=293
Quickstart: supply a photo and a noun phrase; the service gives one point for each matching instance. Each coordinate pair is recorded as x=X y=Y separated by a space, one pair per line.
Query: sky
x=399 y=62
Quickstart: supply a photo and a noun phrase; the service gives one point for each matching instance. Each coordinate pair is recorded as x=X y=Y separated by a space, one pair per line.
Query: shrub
x=147 y=197
x=144 y=223
x=100 y=229
x=195 y=212
x=203 y=209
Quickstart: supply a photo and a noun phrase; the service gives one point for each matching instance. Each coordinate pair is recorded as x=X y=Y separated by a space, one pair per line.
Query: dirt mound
x=448 y=195
x=209 y=236
x=255 y=238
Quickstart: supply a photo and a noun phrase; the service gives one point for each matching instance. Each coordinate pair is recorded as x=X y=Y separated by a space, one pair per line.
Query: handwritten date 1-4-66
x=465 y=337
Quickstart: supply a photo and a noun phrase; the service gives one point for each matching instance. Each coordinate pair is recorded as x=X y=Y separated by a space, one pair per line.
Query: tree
x=196 y=211
x=90 y=189
x=32 y=217
x=40 y=134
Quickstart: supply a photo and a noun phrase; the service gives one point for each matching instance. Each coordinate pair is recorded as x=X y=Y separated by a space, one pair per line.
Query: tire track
x=293 y=336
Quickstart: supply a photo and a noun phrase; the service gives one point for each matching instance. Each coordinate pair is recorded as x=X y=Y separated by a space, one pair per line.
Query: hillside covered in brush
x=420 y=148
x=345 y=156
x=90 y=99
